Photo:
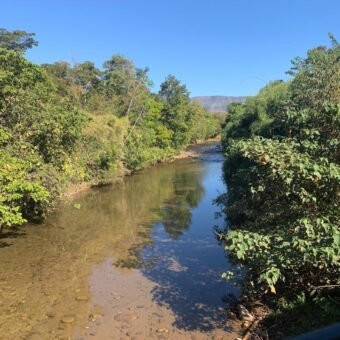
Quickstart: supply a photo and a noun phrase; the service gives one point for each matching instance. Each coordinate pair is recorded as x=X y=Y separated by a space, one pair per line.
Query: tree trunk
x=129 y=108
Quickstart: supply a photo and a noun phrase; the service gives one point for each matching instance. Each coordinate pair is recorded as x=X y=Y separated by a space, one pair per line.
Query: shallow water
x=138 y=260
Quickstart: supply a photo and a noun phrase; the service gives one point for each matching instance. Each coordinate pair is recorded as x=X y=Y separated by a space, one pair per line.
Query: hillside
x=217 y=103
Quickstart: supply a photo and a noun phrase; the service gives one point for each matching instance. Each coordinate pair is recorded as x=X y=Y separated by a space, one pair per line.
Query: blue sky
x=216 y=47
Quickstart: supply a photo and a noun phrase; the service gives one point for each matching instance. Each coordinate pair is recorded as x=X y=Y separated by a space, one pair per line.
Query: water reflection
x=184 y=259
x=187 y=266
x=176 y=215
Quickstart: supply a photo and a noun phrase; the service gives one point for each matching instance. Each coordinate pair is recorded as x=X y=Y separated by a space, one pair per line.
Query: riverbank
x=197 y=149
x=192 y=151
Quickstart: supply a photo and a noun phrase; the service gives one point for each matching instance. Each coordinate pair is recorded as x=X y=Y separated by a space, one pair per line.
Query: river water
x=138 y=260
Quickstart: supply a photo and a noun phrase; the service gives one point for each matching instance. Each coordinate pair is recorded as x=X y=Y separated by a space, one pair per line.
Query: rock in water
x=68 y=319
x=82 y=298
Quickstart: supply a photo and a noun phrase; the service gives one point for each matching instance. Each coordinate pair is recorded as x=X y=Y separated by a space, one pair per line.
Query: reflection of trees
x=186 y=273
x=176 y=219
x=176 y=216
x=167 y=194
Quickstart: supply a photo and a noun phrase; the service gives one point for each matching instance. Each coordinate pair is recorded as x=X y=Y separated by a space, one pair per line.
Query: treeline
x=282 y=204
x=62 y=124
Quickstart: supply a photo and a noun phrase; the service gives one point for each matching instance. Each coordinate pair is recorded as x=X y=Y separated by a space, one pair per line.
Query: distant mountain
x=218 y=103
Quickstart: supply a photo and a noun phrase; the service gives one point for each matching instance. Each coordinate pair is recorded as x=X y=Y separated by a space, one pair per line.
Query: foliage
x=260 y=115
x=176 y=115
x=100 y=149
x=206 y=125
x=62 y=124
x=150 y=141
x=126 y=82
x=18 y=41
x=283 y=177
x=21 y=196
x=31 y=109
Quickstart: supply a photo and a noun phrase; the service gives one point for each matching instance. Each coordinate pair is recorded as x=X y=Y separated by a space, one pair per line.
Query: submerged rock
x=82 y=298
x=162 y=330
x=68 y=319
x=126 y=317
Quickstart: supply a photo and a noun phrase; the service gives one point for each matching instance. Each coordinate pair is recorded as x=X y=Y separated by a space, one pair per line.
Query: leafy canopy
x=18 y=41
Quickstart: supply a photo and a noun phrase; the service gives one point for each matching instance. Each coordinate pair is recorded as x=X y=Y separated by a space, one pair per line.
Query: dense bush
x=22 y=195
x=283 y=173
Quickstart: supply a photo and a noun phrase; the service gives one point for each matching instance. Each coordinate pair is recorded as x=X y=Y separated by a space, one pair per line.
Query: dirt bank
x=196 y=150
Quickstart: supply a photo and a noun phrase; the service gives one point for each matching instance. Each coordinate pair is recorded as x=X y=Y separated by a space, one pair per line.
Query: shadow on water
x=6 y=235
x=4 y=244
x=183 y=257
x=190 y=289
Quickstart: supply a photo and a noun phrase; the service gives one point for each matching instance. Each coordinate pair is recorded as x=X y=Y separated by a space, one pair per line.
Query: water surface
x=138 y=260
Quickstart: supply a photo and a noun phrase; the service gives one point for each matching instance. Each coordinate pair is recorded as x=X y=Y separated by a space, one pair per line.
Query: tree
x=316 y=78
x=86 y=75
x=31 y=108
x=173 y=92
x=205 y=125
x=176 y=115
x=261 y=115
x=18 y=41
x=125 y=82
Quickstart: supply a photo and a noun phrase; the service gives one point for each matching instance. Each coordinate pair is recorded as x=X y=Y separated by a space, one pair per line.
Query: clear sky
x=216 y=47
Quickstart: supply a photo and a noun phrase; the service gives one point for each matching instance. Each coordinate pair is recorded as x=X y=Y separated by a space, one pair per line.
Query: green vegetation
x=18 y=41
x=282 y=172
x=63 y=124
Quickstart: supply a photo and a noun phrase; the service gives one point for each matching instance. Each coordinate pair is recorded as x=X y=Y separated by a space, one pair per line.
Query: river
x=138 y=260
